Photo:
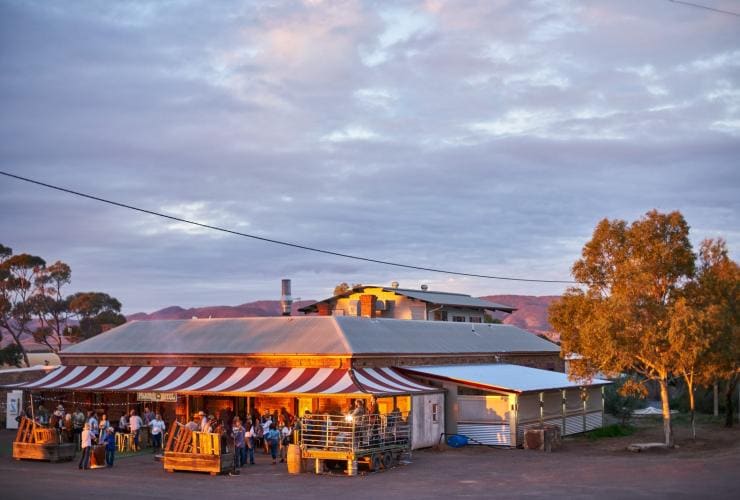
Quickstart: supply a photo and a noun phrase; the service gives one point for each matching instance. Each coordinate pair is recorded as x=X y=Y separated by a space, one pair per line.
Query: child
x=109 y=440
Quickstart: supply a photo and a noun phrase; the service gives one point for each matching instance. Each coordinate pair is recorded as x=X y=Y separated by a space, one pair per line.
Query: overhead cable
x=274 y=241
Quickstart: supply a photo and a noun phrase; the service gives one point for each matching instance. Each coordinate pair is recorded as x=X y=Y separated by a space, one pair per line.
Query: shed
x=495 y=403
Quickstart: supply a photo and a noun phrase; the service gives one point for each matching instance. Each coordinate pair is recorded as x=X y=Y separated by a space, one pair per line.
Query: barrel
x=295 y=464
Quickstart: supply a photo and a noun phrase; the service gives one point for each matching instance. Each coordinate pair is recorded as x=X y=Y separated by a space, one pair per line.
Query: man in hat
x=109 y=440
x=203 y=424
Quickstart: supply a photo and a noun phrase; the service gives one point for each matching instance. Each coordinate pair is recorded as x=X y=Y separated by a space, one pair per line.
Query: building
x=403 y=303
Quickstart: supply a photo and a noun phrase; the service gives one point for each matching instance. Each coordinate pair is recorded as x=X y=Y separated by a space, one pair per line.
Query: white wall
x=425 y=431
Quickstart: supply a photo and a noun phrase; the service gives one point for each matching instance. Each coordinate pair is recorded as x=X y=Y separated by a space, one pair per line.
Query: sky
x=486 y=137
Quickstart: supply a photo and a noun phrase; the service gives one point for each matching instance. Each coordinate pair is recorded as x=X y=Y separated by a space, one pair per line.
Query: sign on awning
x=163 y=397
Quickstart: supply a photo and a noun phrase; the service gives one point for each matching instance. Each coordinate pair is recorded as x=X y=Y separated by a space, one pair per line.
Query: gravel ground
x=580 y=469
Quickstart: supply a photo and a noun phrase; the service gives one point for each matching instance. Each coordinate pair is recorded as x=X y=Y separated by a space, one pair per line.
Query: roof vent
x=425 y=287
x=394 y=284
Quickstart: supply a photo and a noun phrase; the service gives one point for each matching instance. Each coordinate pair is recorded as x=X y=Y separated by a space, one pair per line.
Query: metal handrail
x=354 y=434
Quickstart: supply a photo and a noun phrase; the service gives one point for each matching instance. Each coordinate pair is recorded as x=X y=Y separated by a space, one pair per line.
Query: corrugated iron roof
x=438 y=298
x=512 y=378
x=310 y=335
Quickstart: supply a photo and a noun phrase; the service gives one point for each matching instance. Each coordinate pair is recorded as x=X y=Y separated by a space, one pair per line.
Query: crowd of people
x=269 y=431
x=91 y=428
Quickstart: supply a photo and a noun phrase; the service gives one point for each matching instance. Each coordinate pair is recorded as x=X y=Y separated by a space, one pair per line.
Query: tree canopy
x=636 y=309
x=32 y=302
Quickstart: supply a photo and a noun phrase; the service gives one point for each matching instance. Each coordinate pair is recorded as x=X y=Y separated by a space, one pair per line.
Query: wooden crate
x=51 y=452
x=197 y=462
x=36 y=442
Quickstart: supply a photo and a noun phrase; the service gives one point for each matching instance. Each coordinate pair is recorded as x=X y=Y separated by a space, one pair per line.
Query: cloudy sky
x=484 y=137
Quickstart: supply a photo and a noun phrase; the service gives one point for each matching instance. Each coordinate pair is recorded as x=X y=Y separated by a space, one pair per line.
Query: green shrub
x=616 y=430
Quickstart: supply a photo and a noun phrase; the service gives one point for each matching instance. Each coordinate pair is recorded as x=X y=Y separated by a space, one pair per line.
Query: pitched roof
x=432 y=297
x=506 y=377
x=310 y=335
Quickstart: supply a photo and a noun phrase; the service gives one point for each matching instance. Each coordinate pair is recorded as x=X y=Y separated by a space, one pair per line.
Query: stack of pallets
x=36 y=442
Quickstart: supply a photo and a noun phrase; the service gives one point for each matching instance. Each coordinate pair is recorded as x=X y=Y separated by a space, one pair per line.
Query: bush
x=616 y=430
x=621 y=399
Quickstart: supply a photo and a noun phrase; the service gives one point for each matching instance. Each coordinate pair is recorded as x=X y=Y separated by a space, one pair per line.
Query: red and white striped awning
x=227 y=380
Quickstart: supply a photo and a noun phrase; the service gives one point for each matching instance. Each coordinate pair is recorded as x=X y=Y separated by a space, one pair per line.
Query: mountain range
x=531 y=313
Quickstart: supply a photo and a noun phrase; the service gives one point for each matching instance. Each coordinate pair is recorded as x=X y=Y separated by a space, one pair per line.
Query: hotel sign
x=164 y=397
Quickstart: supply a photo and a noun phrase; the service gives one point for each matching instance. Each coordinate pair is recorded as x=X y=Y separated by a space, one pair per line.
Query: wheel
x=375 y=462
x=387 y=460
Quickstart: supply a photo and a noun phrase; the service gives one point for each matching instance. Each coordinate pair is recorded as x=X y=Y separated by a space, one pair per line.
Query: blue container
x=457 y=441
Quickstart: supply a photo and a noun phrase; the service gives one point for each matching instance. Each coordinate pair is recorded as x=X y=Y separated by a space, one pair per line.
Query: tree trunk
x=692 y=410
x=715 y=400
x=688 y=379
x=667 y=429
x=729 y=413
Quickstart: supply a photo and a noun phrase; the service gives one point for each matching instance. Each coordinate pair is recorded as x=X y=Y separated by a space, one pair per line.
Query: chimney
x=323 y=309
x=394 y=284
x=367 y=305
x=425 y=287
x=285 y=298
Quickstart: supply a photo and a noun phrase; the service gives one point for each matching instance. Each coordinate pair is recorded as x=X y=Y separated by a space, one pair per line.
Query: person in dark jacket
x=109 y=440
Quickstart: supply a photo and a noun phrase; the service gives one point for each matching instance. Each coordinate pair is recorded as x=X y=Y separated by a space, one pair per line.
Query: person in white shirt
x=135 y=425
x=158 y=428
x=86 y=443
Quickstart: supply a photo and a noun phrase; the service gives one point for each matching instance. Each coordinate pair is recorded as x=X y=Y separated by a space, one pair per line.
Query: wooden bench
x=36 y=442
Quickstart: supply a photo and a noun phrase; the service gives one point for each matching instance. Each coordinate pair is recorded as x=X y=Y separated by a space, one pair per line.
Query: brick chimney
x=323 y=309
x=367 y=305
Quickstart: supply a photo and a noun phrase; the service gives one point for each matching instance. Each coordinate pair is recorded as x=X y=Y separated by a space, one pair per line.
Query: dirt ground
x=582 y=468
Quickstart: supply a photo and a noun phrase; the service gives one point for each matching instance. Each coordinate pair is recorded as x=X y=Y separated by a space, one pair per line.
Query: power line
x=277 y=242
x=706 y=7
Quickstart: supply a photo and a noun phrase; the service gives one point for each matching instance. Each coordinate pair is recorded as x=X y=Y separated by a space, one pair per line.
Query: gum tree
x=619 y=318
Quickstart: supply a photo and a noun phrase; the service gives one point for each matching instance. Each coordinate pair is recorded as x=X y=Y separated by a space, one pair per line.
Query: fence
x=359 y=435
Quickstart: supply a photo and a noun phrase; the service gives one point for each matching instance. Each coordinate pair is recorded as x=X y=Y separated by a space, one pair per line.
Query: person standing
x=240 y=446
x=272 y=438
x=86 y=443
x=109 y=440
x=123 y=423
x=284 y=440
x=157 y=426
x=93 y=421
x=78 y=422
x=135 y=424
x=249 y=438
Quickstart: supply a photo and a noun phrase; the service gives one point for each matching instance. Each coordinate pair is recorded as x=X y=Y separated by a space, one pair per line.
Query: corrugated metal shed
x=311 y=335
x=511 y=378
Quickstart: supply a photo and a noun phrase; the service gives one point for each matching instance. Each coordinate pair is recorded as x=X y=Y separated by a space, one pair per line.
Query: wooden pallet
x=195 y=451
x=50 y=452
x=36 y=442
x=213 y=464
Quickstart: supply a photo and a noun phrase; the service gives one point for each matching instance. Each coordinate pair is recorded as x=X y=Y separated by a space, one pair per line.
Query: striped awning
x=263 y=380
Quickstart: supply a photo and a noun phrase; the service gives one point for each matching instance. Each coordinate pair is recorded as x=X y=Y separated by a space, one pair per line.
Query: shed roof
x=310 y=335
x=500 y=376
x=432 y=297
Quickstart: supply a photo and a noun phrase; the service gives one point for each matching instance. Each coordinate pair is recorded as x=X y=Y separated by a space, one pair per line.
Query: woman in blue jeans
x=240 y=449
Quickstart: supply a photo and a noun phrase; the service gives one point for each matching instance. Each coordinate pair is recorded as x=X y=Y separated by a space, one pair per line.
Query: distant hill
x=249 y=310
x=531 y=313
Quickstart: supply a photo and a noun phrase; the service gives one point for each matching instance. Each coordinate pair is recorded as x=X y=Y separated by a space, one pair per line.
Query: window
x=458 y=319
x=440 y=315
x=475 y=319
x=435 y=412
